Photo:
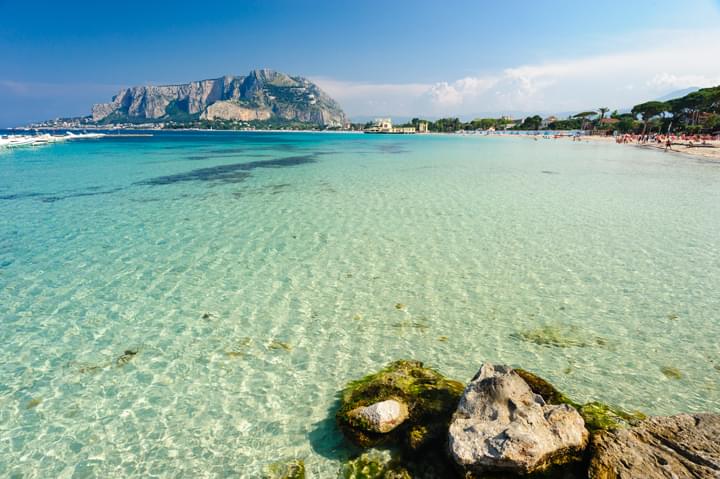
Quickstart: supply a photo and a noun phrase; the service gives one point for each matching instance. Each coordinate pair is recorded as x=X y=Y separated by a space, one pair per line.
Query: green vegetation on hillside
x=697 y=112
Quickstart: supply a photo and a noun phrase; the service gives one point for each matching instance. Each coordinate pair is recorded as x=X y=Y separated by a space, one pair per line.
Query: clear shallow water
x=255 y=274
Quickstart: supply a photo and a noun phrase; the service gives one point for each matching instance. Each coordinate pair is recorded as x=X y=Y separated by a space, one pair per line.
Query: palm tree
x=602 y=111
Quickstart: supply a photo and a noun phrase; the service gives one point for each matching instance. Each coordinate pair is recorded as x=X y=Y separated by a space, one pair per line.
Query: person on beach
x=668 y=144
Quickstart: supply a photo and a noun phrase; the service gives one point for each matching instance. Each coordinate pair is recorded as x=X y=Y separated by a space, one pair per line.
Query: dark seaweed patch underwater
x=232 y=173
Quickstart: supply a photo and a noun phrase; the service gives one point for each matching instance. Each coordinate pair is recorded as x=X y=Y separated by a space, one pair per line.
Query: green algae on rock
x=416 y=325
x=294 y=469
x=597 y=416
x=559 y=337
x=431 y=399
x=542 y=387
x=239 y=348
x=374 y=464
x=126 y=357
x=671 y=372
x=601 y=417
x=279 y=345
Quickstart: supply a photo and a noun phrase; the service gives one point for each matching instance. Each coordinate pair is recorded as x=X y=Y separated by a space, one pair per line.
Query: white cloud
x=444 y=94
x=615 y=80
x=361 y=90
x=666 y=81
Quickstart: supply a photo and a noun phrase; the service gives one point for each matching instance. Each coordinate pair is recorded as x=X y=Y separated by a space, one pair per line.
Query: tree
x=626 y=124
x=445 y=125
x=687 y=109
x=530 y=123
x=648 y=110
x=713 y=122
x=584 y=117
x=602 y=111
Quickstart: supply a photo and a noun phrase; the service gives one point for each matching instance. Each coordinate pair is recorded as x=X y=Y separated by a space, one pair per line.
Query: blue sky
x=377 y=58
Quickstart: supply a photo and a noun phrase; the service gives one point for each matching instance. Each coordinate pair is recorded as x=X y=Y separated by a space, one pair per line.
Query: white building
x=547 y=121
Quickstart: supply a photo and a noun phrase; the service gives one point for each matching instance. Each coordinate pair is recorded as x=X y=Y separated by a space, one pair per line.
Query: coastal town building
x=384 y=125
x=546 y=122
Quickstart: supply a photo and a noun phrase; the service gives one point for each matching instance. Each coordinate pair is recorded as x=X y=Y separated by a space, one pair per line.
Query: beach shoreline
x=711 y=153
x=698 y=152
x=702 y=152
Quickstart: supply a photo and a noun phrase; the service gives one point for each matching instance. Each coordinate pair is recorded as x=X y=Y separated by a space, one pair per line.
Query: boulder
x=597 y=416
x=501 y=425
x=429 y=397
x=682 y=446
x=382 y=417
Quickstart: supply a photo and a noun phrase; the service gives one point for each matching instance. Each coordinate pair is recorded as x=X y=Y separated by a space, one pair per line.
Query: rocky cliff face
x=261 y=95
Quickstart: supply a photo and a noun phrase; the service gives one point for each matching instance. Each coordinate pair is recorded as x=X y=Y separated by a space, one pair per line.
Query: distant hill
x=666 y=97
x=677 y=93
x=261 y=95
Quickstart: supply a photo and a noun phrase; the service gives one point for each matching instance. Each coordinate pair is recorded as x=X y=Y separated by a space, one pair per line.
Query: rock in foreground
x=382 y=417
x=682 y=446
x=597 y=416
x=430 y=398
x=501 y=425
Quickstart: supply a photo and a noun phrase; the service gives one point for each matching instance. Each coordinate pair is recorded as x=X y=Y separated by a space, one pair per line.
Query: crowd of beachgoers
x=703 y=146
x=669 y=140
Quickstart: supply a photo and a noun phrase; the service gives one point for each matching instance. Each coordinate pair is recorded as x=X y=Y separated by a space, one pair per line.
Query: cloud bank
x=615 y=80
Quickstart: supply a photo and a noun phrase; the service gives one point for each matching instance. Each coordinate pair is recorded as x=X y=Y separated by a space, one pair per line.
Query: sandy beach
x=706 y=152
x=711 y=152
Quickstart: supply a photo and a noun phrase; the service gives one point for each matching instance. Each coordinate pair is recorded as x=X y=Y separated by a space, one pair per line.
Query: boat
x=12 y=141
x=83 y=136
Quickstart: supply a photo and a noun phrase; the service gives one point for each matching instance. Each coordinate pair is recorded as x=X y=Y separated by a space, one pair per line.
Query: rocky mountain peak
x=263 y=94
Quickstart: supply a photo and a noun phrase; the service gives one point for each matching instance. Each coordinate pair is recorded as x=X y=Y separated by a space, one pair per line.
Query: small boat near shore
x=12 y=141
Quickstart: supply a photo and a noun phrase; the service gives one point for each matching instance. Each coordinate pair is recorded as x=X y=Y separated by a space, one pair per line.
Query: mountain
x=677 y=93
x=261 y=95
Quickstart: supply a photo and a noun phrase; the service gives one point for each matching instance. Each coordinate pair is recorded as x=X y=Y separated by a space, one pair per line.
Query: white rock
x=501 y=425
x=381 y=416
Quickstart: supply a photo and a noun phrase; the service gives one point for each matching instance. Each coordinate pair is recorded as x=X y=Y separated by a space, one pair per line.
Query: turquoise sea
x=189 y=304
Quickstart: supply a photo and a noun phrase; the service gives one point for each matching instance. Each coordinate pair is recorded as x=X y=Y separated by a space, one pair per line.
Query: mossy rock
x=433 y=463
x=597 y=416
x=546 y=390
x=671 y=372
x=374 y=464
x=601 y=417
x=430 y=397
x=294 y=469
